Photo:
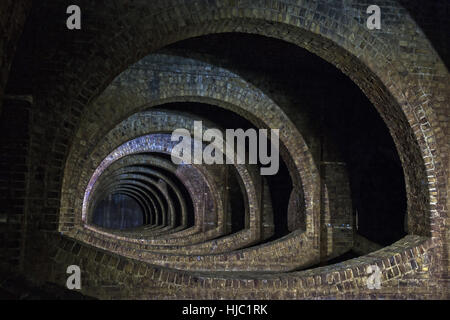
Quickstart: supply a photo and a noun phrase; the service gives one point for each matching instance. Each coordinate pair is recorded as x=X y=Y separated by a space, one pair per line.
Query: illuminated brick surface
x=82 y=102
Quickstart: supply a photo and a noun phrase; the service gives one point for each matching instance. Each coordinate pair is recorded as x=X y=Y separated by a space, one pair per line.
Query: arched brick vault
x=130 y=128
x=172 y=87
x=142 y=174
x=134 y=180
x=204 y=179
x=170 y=123
x=198 y=196
x=149 y=143
x=408 y=100
x=135 y=126
x=168 y=87
x=363 y=65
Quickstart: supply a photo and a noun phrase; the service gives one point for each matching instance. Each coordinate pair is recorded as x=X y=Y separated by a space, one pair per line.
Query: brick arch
x=83 y=167
x=138 y=198
x=296 y=254
x=412 y=119
x=139 y=171
x=237 y=96
x=150 y=189
x=399 y=106
x=161 y=143
x=186 y=174
x=146 y=199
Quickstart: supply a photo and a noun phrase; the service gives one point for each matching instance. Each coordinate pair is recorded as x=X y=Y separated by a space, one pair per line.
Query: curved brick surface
x=396 y=67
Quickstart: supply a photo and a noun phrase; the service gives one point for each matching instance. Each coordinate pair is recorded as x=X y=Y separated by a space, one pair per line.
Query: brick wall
x=396 y=67
x=13 y=14
x=14 y=153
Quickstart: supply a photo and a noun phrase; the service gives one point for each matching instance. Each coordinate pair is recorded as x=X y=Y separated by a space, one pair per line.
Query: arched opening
x=343 y=191
x=118 y=211
x=347 y=136
x=279 y=185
